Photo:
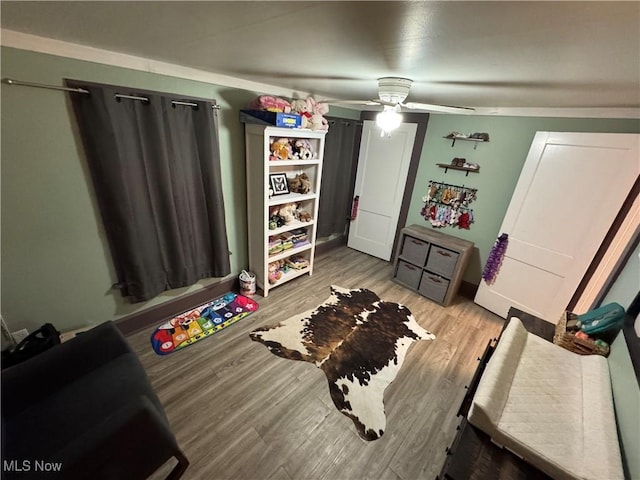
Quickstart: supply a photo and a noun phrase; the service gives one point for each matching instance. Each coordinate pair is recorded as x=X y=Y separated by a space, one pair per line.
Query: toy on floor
x=201 y=322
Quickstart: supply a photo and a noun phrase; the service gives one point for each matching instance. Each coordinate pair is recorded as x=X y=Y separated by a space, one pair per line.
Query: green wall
x=500 y=161
x=56 y=264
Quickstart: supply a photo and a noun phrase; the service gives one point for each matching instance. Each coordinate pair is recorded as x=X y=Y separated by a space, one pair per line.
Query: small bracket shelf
x=466 y=139
x=447 y=166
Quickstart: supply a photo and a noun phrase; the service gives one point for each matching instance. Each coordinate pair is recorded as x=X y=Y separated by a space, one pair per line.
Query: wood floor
x=240 y=412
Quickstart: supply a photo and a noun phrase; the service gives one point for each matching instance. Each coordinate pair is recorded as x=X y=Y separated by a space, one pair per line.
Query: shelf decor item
x=279 y=184
x=473 y=137
x=494 y=261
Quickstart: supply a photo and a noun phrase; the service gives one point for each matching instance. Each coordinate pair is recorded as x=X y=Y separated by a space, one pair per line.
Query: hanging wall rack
x=446 y=205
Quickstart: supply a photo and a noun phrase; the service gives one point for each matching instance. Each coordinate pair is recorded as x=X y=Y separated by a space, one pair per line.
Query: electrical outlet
x=20 y=335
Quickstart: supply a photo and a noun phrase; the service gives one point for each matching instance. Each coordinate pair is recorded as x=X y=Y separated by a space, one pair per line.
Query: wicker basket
x=569 y=341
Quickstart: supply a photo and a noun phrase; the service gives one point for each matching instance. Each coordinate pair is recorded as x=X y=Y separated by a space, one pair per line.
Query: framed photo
x=279 y=183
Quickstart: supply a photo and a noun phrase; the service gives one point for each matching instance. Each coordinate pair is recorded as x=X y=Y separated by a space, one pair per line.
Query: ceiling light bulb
x=389 y=119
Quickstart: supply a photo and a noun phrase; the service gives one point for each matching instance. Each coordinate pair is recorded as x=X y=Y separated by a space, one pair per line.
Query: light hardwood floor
x=240 y=412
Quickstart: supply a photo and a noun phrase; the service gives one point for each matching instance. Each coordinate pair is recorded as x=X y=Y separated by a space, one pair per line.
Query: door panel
x=380 y=182
x=570 y=190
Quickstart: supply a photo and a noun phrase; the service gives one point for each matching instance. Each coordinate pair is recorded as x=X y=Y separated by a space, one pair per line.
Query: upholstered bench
x=549 y=406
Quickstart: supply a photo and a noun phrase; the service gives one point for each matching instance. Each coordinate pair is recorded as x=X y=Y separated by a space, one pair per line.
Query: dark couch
x=87 y=409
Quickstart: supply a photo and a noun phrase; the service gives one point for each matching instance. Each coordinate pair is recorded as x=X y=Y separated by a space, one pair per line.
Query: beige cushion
x=552 y=407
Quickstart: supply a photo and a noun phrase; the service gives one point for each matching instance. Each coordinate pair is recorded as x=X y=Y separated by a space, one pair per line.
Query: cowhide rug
x=358 y=341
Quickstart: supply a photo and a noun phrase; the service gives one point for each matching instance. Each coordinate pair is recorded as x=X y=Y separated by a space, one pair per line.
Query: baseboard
x=155 y=315
x=468 y=289
x=324 y=247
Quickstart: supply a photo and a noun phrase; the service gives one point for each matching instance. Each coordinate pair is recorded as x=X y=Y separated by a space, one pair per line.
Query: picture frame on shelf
x=279 y=183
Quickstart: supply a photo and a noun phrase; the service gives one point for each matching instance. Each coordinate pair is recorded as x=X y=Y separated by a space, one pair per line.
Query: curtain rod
x=10 y=81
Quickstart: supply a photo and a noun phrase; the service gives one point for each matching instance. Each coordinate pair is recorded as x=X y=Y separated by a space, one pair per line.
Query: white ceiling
x=488 y=55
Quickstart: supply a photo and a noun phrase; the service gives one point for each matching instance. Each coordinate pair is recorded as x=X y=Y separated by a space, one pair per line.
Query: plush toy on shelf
x=275 y=220
x=269 y=104
x=302 y=150
x=287 y=213
x=274 y=272
x=301 y=107
x=300 y=183
x=318 y=110
x=280 y=149
x=303 y=215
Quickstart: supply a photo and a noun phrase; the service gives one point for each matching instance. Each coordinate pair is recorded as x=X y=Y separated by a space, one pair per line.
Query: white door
x=570 y=190
x=383 y=164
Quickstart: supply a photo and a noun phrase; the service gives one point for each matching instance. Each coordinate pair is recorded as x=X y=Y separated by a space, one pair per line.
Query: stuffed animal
x=287 y=212
x=275 y=220
x=300 y=184
x=274 y=272
x=280 y=149
x=302 y=149
x=270 y=104
x=301 y=107
x=318 y=110
x=303 y=215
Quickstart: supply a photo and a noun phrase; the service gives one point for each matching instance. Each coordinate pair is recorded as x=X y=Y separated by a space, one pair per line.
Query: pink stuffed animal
x=318 y=110
x=270 y=104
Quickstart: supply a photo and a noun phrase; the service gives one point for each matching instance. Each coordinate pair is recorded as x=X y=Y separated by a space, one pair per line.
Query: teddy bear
x=301 y=107
x=303 y=215
x=287 y=212
x=300 y=183
x=280 y=149
x=302 y=149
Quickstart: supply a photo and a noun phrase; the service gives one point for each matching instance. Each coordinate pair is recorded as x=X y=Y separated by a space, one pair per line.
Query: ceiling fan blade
x=438 y=108
x=350 y=102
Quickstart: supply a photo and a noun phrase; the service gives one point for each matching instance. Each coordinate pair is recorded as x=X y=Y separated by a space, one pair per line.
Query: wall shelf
x=466 y=139
x=447 y=166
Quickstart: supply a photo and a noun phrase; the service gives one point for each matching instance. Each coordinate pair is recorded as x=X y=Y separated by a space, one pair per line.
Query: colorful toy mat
x=201 y=322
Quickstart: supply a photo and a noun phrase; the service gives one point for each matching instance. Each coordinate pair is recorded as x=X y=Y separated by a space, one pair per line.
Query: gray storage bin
x=434 y=287
x=442 y=261
x=414 y=250
x=408 y=274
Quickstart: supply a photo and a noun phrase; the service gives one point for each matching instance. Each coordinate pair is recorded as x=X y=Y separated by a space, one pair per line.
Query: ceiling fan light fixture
x=389 y=119
x=393 y=89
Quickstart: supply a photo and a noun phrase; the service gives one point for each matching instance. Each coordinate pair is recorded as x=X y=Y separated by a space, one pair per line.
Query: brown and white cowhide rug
x=358 y=341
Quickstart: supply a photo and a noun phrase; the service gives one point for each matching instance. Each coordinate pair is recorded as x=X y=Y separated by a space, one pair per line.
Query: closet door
x=383 y=166
x=570 y=190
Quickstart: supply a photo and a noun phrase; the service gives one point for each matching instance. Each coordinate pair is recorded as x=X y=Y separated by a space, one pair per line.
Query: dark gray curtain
x=338 y=175
x=155 y=167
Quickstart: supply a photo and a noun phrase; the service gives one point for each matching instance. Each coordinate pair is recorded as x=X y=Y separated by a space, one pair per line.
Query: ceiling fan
x=392 y=92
